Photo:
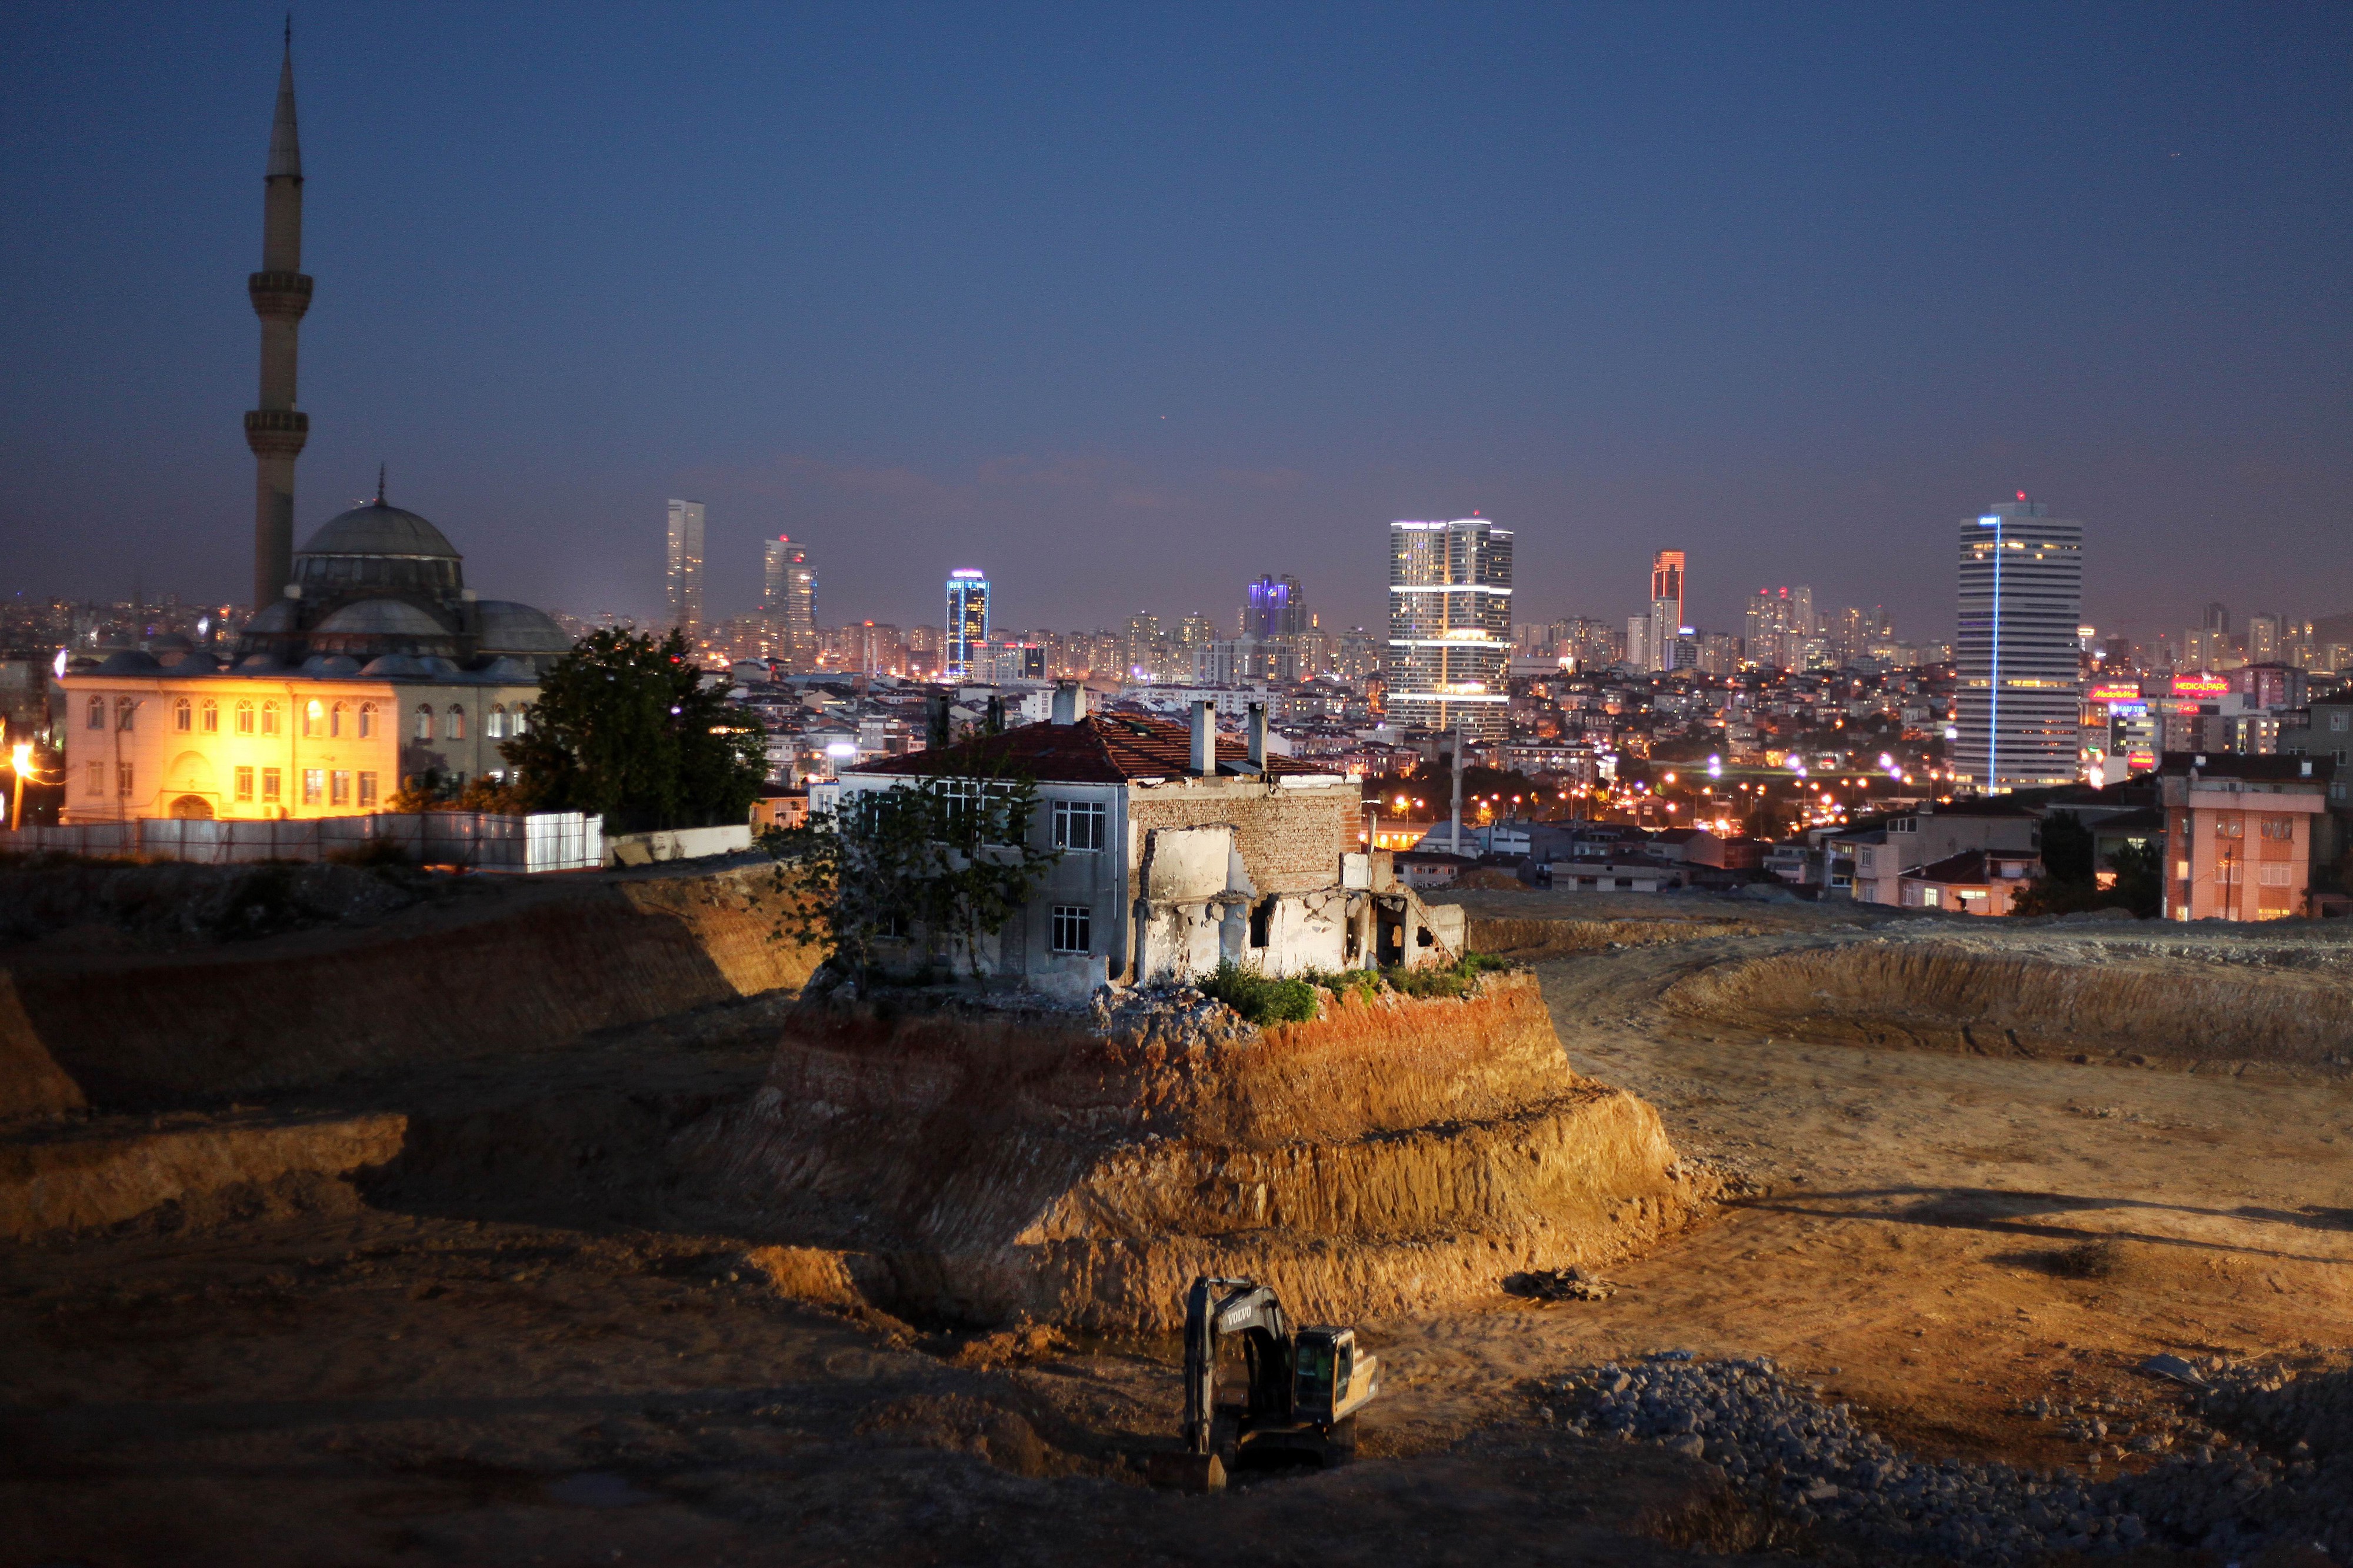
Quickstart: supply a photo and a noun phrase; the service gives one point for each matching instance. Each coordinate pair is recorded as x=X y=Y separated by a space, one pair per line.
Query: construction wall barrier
x=478 y=840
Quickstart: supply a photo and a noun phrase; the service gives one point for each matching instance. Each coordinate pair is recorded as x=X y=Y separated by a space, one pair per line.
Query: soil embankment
x=521 y=969
x=1392 y=1155
x=2241 y=1006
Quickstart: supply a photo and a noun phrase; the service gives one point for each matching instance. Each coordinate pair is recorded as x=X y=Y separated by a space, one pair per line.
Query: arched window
x=456 y=722
x=244 y=717
x=367 y=721
x=315 y=719
x=519 y=720
x=183 y=715
x=424 y=721
x=495 y=725
x=95 y=713
x=211 y=711
x=126 y=709
x=335 y=720
x=270 y=718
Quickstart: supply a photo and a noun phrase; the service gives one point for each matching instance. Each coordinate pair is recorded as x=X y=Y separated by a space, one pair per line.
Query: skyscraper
x=1272 y=610
x=1666 y=608
x=1450 y=625
x=685 y=567
x=968 y=627
x=2019 y=680
x=789 y=602
x=277 y=431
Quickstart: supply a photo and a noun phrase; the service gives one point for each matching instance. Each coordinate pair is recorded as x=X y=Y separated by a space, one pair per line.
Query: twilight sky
x=1127 y=304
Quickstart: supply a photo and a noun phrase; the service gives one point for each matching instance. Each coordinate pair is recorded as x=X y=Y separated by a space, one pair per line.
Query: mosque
x=367 y=660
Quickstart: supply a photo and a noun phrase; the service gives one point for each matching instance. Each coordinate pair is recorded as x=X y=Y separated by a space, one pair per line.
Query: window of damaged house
x=1073 y=927
x=1261 y=921
x=1078 y=825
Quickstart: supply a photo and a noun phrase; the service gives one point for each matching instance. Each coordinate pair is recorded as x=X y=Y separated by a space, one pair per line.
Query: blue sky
x=1126 y=305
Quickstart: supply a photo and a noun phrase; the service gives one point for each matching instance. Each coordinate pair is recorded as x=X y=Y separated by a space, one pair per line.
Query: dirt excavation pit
x=2227 y=1005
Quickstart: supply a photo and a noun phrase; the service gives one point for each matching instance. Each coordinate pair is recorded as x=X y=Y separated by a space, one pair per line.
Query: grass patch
x=1260 y=999
x=1455 y=980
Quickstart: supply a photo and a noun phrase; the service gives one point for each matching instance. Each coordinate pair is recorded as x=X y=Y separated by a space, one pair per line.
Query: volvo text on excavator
x=1305 y=1385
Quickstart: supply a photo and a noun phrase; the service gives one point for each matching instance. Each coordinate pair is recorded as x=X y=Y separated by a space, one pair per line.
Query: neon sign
x=2201 y=686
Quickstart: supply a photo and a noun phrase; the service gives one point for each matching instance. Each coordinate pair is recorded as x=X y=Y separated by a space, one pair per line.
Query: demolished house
x=1179 y=849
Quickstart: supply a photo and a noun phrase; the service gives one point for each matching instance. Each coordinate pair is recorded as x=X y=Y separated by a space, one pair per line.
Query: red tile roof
x=1102 y=748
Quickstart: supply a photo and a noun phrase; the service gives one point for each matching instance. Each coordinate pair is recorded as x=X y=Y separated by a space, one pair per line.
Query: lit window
x=335 y=720
x=494 y=725
x=1073 y=927
x=315 y=719
x=2230 y=828
x=183 y=715
x=125 y=710
x=270 y=718
x=367 y=721
x=456 y=722
x=122 y=779
x=367 y=791
x=243 y=718
x=211 y=711
x=520 y=719
x=1078 y=825
x=339 y=787
x=245 y=784
x=314 y=786
x=2280 y=829
x=271 y=791
x=95 y=711
x=424 y=721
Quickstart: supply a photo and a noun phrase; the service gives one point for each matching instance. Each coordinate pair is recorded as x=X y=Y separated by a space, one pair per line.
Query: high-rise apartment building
x=1449 y=625
x=2018 y=674
x=789 y=602
x=1666 y=609
x=1273 y=608
x=1779 y=623
x=967 y=625
x=684 y=576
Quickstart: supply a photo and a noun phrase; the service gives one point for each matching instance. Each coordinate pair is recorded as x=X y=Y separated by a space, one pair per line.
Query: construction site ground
x=308 y=1374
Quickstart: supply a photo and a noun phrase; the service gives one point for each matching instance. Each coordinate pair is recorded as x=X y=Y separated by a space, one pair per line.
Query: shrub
x=1260 y=999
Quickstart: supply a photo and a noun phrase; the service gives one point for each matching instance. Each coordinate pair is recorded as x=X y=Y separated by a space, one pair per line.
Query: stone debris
x=1559 y=1285
x=1168 y=1017
x=1775 y=1440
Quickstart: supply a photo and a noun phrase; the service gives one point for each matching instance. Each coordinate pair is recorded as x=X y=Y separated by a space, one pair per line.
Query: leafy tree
x=625 y=726
x=937 y=860
x=2138 y=887
x=2066 y=847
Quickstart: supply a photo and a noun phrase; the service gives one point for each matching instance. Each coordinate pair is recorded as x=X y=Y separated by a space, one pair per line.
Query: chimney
x=1258 y=735
x=1205 y=739
x=1070 y=702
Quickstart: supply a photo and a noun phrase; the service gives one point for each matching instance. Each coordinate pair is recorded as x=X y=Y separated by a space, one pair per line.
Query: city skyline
x=1826 y=433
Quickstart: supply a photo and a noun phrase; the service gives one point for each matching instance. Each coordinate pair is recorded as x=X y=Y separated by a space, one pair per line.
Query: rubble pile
x=1776 y=1439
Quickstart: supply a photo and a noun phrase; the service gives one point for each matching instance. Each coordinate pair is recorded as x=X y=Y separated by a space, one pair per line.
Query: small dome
x=130 y=661
x=170 y=642
x=509 y=628
x=258 y=663
x=379 y=529
x=278 y=616
x=190 y=663
x=381 y=618
x=409 y=666
x=513 y=670
x=331 y=664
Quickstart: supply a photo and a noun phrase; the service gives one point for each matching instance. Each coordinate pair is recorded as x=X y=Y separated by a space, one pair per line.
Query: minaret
x=281 y=293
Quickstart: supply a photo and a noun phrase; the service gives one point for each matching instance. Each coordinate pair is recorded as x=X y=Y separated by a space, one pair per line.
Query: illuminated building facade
x=967 y=625
x=2018 y=687
x=1449 y=625
x=683 y=578
x=789 y=602
x=1273 y=609
x=1666 y=607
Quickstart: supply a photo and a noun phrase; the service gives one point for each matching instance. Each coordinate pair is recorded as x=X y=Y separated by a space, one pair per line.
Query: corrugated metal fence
x=482 y=841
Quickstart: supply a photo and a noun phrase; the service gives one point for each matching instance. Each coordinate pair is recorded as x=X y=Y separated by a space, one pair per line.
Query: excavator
x=1305 y=1384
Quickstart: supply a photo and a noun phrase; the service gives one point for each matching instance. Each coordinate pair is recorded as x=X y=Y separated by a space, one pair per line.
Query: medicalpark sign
x=2200 y=685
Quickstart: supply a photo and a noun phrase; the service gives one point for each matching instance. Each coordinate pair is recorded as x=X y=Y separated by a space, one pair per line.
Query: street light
x=20 y=759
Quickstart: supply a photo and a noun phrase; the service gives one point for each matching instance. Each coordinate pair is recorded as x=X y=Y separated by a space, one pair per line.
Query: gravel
x=1775 y=1440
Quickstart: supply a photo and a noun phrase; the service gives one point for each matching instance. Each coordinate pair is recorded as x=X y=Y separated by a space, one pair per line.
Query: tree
x=2138 y=887
x=943 y=862
x=624 y=725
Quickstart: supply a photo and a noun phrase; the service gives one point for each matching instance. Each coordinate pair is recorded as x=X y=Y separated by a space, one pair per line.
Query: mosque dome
x=379 y=529
x=506 y=626
x=380 y=618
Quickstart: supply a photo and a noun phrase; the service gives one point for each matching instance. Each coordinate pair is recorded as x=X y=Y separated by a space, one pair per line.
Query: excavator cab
x=1330 y=1381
